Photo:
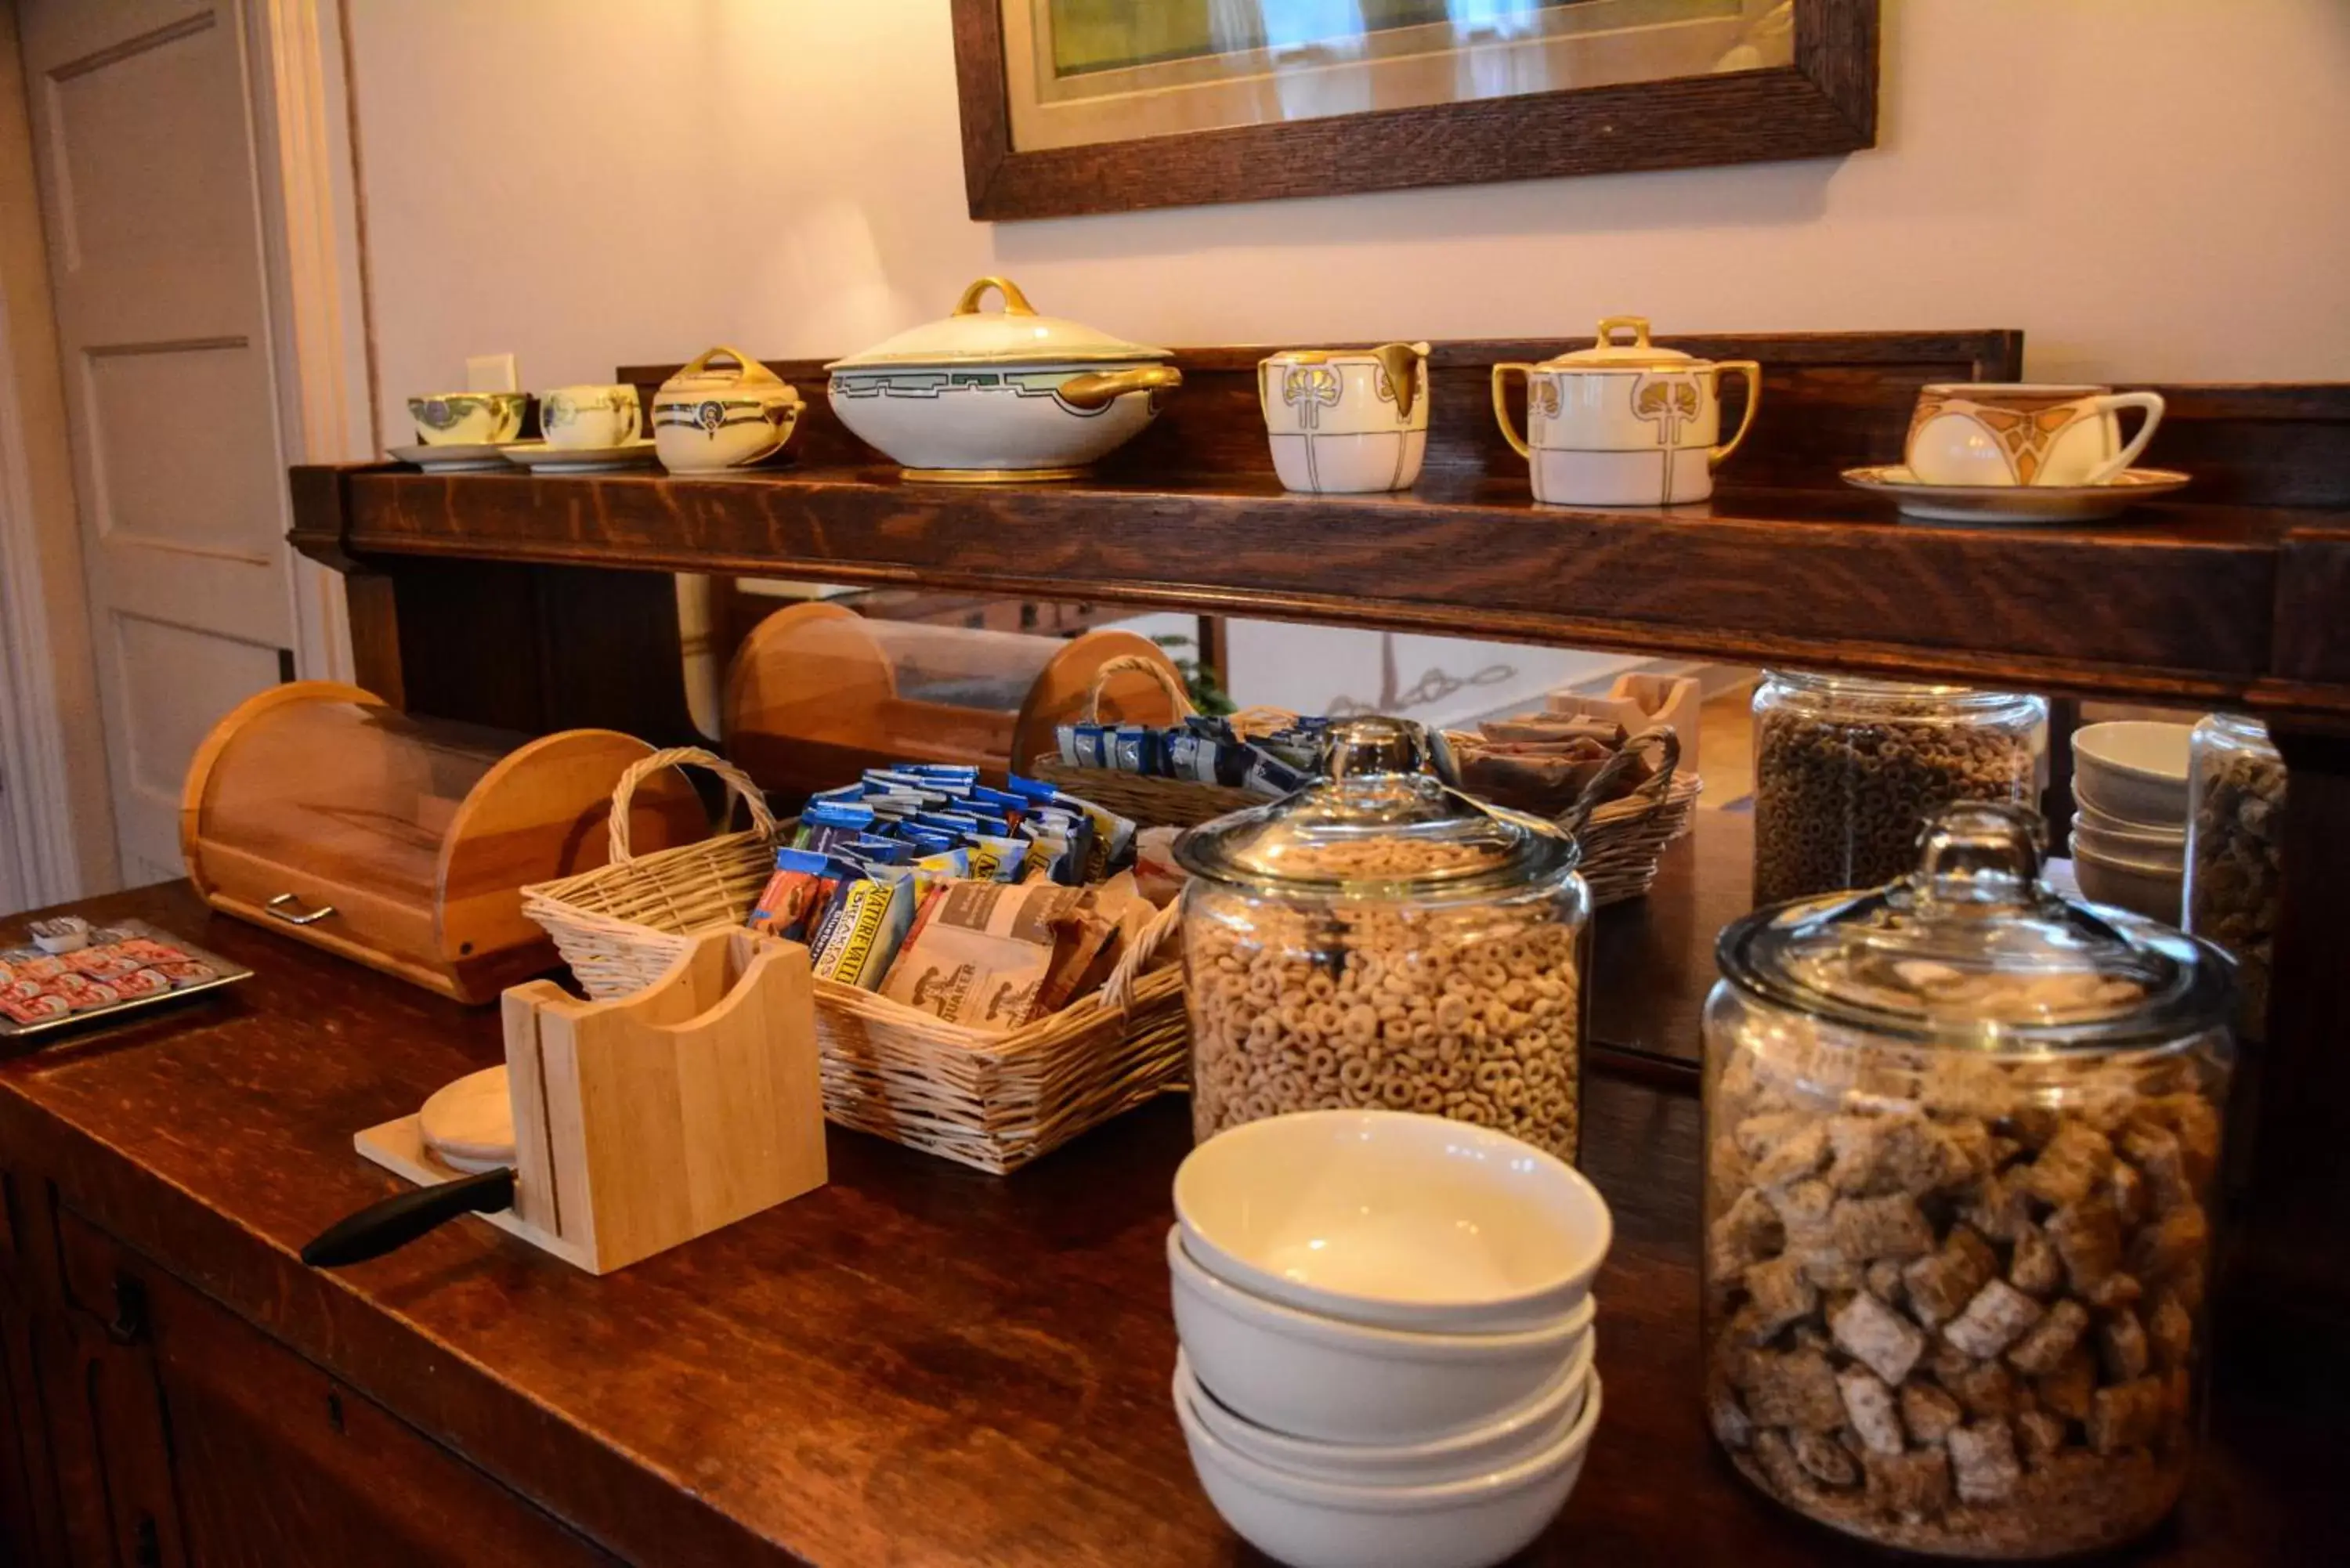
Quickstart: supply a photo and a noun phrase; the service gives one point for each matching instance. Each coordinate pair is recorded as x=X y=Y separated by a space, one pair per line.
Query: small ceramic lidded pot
x=708 y=421
x=1624 y=424
x=1343 y=421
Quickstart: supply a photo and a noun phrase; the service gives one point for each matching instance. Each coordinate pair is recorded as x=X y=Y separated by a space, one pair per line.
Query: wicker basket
x=1624 y=839
x=991 y=1101
x=1155 y=801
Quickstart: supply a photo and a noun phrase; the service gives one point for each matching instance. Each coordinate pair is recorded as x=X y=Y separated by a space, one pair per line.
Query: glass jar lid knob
x=1374 y=745
x=1979 y=852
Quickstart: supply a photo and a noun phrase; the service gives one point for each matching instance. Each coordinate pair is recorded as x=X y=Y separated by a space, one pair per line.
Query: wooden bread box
x=320 y=812
x=818 y=693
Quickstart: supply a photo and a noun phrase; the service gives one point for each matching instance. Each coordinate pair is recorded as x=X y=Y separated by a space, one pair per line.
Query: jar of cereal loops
x=1845 y=768
x=1960 y=1141
x=1379 y=939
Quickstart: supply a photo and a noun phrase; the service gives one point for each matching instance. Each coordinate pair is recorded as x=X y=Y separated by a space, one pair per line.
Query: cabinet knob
x=129 y=1325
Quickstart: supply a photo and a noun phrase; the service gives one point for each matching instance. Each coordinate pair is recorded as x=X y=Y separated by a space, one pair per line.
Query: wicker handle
x=1117 y=991
x=1126 y=663
x=738 y=785
x=1595 y=793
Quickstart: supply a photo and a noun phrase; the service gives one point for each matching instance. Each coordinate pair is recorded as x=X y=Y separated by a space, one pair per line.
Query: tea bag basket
x=1622 y=839
x=991 y=1101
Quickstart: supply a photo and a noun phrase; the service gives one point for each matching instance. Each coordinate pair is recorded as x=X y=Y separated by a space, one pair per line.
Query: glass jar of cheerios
x=1846 y=770
x=1381 y=939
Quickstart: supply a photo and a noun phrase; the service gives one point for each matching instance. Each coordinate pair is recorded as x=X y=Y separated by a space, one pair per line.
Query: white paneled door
x=152 y=202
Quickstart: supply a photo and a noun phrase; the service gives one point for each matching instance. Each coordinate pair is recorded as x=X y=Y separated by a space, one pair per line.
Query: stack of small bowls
x=2129 y=825
x=1387 y=1335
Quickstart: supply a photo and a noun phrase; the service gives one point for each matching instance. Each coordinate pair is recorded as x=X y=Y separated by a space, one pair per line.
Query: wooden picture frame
x=1823 y=104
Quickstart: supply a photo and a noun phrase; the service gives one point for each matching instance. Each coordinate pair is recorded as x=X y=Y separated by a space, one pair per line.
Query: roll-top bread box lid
x=319 y=812
x=818 y=693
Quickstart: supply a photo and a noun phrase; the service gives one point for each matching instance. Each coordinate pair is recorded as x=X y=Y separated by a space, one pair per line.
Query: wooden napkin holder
x=652 y=1118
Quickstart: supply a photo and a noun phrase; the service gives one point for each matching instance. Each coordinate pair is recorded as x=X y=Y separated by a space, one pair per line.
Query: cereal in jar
x=1380 y=940
x=1962 y=1137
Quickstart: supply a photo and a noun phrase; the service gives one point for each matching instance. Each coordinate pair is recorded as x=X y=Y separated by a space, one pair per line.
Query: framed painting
x=1100 y=106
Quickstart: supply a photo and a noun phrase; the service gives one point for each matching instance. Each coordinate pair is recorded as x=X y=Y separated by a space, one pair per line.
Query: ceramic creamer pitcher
x=1624 y=424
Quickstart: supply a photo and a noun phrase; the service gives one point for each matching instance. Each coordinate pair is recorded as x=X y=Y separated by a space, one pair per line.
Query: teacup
x=582 y=417
x=467 y=419
x=2017 y=433
x=1346 y=421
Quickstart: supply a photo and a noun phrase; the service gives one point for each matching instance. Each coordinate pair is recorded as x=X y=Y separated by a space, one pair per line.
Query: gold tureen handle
x=1098 y=389
x=1014 y=301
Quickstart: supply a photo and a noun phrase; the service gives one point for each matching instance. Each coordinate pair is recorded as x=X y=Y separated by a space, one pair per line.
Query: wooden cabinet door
x=274 y=1463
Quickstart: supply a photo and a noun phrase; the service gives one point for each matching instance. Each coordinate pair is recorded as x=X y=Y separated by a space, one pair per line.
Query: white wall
x=2152 y=189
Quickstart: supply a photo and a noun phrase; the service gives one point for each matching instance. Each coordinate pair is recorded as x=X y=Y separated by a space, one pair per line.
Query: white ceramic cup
x=2022 y=434
x=584 y=417
x=466 y=419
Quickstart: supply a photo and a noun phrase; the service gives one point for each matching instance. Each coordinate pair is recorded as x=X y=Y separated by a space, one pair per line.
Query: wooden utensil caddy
x=320 y=812
x=648 y=1120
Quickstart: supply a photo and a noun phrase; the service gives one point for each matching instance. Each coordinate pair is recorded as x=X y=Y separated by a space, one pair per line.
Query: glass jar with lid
x=1961 y=1142
x=1379 y=939
x=1845 y=768
x=2235 y=841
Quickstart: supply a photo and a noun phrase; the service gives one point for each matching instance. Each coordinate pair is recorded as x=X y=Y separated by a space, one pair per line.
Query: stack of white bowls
x=1387 y=1335
x=2129 y=825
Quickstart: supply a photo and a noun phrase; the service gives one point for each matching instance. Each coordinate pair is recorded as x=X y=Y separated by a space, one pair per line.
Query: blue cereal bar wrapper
x=823 y=826
x=1131 y=749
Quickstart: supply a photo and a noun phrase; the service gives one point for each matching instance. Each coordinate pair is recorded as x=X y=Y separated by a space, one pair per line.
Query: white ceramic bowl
x=2128 y=846
x=2162 y=837
x=2153 y=891
x=1336 y=1382
x=1321 y=1524
x=1507 y=1440
x=2132 y=769
x=1388 y=1217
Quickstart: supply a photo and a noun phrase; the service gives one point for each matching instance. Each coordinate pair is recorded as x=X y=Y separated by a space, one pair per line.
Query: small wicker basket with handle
x=991 y=1101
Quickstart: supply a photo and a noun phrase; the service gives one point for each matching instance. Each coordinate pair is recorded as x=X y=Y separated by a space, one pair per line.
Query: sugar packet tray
x=140 y=966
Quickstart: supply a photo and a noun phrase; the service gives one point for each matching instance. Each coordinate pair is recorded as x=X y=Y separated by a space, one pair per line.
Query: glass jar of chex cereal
x=1381 y=939
x=1961 y=1142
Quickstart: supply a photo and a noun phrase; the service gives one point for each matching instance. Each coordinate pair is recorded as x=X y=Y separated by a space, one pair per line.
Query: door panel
x=143 y=132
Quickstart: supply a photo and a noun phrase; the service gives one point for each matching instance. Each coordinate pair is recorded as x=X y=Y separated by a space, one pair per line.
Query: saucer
x=2016 y=503
x=540 y=458
x=452 y=458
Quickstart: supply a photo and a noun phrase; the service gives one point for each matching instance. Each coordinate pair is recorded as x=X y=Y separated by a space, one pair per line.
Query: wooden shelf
x=2180 y=601
x=916 y=1363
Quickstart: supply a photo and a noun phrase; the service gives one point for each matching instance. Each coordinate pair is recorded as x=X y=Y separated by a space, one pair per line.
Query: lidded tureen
x=1000 y=395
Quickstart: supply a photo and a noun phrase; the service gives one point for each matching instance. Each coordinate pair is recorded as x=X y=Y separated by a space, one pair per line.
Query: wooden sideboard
x=922 y=1364
x=915 y=1365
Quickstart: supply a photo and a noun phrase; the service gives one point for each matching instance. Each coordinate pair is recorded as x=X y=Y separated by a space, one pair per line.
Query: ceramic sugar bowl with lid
x=712 y=416
x=1624 y=423
x=1380 y=940
x=1961 y=1138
